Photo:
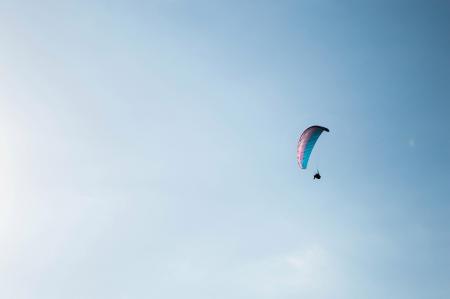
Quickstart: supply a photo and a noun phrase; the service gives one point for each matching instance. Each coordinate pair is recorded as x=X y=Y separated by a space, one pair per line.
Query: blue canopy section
x=309 y=147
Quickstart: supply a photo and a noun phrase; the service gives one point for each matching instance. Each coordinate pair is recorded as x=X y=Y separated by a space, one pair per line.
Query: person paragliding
x=306 y=144
x=317 y=175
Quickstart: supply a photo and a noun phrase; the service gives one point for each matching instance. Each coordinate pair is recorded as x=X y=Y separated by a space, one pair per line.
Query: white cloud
x=309 y=272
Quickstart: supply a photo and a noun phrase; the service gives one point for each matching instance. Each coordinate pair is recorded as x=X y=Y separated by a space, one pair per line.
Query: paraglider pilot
x=317 y=175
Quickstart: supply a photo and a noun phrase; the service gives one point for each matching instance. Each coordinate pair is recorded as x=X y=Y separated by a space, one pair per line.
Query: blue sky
x=147 y=149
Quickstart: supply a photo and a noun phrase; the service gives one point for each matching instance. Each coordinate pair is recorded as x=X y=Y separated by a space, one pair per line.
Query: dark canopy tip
x=320 y=127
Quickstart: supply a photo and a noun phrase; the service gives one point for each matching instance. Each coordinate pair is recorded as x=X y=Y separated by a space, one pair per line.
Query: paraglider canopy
x=306 y=144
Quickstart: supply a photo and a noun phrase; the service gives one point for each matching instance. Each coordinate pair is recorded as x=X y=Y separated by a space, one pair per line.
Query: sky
x=148 y=149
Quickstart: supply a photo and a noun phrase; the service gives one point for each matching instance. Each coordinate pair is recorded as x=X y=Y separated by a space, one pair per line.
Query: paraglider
x=317 y=175
x=306 y=144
